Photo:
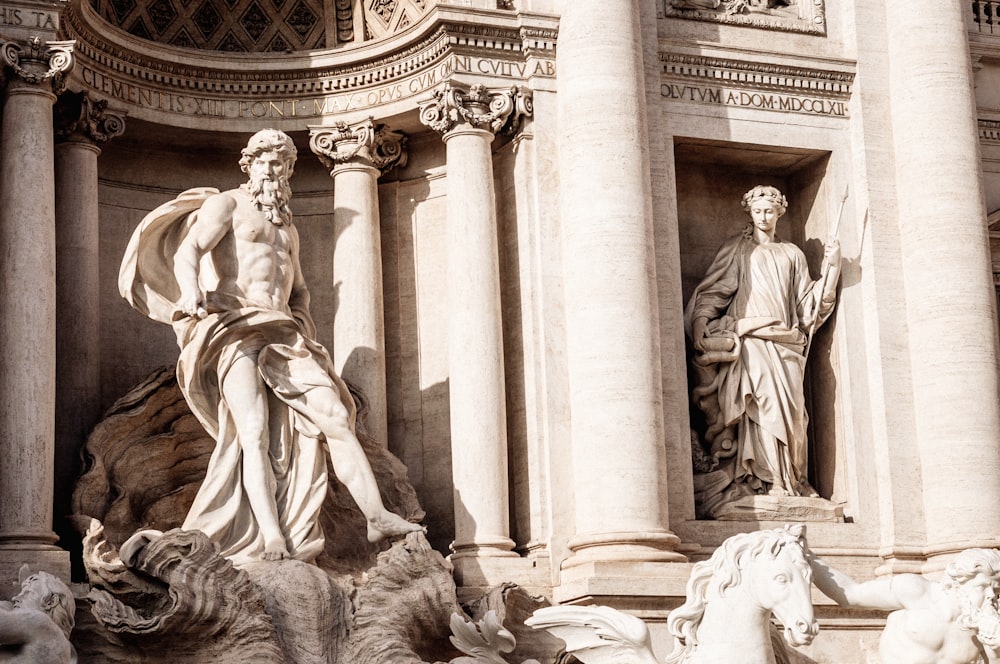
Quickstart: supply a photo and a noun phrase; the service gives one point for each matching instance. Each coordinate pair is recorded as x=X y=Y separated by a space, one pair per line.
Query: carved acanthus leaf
x=42 y=61
x=366 y=140
x=80 y=114
x=477 y=106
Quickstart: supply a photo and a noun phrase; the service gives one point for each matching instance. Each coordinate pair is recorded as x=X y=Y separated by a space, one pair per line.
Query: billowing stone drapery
x=28 y=306
x=468 y=120
x=619 y=466
x=82 y=125
x=950 y=299
x=355 y=155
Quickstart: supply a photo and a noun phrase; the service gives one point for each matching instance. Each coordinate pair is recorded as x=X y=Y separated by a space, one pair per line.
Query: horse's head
x=781 y=579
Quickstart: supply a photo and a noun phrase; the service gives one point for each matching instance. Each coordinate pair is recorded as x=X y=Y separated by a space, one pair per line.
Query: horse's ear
x=798 y=530
x=23 y=573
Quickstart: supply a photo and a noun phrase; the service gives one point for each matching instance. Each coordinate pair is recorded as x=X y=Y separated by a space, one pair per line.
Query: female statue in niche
x=751 y=321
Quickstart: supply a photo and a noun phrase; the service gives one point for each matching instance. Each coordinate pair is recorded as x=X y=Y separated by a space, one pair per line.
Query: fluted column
x=950 y=301
x=82 y=125
x=468 y=119
x=356 y=155
x=619 y=453
x=28 y=302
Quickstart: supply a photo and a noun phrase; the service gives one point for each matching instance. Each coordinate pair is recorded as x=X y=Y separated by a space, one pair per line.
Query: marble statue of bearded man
x=222 y=268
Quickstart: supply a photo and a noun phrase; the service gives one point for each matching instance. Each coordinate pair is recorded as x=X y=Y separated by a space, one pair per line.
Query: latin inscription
x=763 y=100
x=310 y=107
x=22 y=17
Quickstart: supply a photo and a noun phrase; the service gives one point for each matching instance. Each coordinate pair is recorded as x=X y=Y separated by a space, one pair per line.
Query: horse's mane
x=725 y=569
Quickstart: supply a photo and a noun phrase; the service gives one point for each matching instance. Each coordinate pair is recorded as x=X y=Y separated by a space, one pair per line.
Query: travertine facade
x=504 y=208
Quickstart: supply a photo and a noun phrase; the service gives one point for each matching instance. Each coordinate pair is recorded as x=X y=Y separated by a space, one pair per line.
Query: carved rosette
x=39 y=62
x=78 y=115
x=365 y=141
x=478 y=107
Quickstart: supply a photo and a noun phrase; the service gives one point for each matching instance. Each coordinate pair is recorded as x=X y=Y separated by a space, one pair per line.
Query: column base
x=499 y=547
x=650 y=546
x=475 y=576
x=49 y=559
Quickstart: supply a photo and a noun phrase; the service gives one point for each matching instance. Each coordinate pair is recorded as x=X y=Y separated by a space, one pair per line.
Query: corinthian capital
x=77 y=114
x=363 y=141
x=478 y=107
x=39 y=62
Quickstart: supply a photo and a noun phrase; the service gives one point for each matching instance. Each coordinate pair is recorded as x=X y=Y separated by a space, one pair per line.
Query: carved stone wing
x=597 y=634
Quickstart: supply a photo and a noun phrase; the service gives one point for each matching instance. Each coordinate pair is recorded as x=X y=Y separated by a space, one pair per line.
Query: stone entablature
x=239 y=91
x=765 y=86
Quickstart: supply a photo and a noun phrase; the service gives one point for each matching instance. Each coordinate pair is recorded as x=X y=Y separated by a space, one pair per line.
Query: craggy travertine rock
x=404 y=609
x=182 y=603
x=311 y=611
x=168 y=597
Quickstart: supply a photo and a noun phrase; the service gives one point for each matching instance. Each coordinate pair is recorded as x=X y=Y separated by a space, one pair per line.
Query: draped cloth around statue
x=290 y=362
x=762 y=294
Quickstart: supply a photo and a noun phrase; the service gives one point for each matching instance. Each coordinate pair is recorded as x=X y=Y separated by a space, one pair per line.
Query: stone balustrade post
x=950 y=300
x=611 y=299
x=356 y=155
x=28 y=307
x=468 y=120
x=82 y=125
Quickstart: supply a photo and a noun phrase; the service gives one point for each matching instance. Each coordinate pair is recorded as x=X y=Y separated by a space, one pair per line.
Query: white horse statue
x=726 y=618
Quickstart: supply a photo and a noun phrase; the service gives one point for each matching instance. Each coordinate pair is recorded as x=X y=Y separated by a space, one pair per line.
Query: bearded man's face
x=269 y=180
x=978 y=605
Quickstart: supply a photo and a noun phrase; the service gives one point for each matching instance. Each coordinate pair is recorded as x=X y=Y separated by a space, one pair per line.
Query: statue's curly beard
x=984 y=619
x=271 y=195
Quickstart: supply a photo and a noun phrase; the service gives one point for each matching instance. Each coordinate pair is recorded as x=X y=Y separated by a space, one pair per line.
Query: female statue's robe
x=763 y=294
x=289 y=360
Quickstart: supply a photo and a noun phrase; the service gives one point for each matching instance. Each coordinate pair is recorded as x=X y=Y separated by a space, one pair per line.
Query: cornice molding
x=759 y=75
x=345 y=69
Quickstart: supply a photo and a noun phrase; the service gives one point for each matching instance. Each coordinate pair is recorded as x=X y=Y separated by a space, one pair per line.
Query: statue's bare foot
x=388 y=524
x=806 y=490
x=779 y=491
x=276 y=551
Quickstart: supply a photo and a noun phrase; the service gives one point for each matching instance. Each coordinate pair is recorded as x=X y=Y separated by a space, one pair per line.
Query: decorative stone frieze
x=79 y=114
x=477 y=107
x=758 y=74
x=366 y=140
x=40 y=62
x=989 y=130
x=807 y=16
x=763 y=86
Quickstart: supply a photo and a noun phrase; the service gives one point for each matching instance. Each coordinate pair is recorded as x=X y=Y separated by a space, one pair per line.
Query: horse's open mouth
x=801 y=633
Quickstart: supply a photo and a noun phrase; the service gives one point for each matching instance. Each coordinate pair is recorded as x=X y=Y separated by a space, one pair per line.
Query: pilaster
x=356 y=155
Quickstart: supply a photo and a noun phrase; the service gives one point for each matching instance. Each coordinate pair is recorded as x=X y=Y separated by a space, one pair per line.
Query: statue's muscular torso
x=257 y=259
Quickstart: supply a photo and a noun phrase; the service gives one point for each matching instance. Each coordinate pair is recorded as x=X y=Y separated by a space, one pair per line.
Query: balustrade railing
x=986 y=16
